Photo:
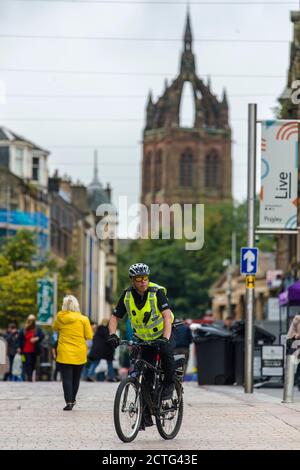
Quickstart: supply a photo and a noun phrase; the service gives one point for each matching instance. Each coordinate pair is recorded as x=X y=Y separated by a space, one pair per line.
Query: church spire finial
x=188 y=38
x=187 y=58
x=96 y=166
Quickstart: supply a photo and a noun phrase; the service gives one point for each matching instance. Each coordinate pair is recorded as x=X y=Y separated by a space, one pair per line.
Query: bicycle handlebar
x=141 y=343
x=155 y=342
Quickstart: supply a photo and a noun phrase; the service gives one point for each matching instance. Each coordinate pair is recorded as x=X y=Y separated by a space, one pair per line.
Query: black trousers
x=70 y=374
x=29 y=365
x=167 y=359
x=56 y=370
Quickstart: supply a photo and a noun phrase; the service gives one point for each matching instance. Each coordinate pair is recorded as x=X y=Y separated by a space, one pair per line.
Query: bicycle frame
x=150 y=397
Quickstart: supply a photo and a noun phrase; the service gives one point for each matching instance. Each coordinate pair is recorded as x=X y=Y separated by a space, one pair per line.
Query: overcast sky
x=112 y=119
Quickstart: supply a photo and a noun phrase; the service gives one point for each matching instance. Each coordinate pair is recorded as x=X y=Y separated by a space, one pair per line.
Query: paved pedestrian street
x=214 y=418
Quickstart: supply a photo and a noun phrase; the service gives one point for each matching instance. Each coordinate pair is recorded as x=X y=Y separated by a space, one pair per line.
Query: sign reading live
x=279 y=175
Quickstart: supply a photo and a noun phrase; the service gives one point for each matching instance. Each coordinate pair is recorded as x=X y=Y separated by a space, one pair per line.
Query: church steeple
x=187 y=59
x=95 y=179
x=96 y=193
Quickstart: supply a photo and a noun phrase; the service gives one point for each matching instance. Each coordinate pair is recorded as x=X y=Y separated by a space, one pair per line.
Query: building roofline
x=13 y=137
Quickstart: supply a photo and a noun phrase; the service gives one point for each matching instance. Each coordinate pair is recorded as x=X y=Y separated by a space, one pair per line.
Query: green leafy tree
x=20 y=249
x=18 y=295
x=19 y=273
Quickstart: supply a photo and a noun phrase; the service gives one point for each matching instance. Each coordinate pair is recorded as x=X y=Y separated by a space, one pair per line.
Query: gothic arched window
x=212 y=170
x=186 y=169
x=158 y=171
x=147 y=173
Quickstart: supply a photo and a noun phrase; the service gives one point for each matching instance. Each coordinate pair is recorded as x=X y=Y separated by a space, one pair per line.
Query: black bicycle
x=134 y=394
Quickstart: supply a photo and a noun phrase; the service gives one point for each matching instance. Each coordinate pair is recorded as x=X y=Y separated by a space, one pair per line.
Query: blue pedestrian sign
x=249 y=258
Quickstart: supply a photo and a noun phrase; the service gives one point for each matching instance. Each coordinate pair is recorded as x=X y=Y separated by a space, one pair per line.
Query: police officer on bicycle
x=151 y=318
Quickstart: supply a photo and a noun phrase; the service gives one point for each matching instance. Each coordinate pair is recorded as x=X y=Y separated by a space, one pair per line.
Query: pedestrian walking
x=11 y=336
x=293 y=334
x=89 y=343
x=101 y=350
x=73 y=330
x=29 y=342
x=183 y=340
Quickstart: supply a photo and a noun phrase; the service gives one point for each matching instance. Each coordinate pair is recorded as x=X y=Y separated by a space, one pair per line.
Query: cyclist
x=151 y=318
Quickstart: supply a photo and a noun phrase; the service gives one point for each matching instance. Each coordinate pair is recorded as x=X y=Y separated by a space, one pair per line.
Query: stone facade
x=219 y=292
x=73 y=232
x=23 y=206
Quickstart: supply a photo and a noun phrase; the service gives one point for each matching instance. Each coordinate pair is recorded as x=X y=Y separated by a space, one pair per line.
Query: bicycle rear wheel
x=171 y=413
x=128 y=410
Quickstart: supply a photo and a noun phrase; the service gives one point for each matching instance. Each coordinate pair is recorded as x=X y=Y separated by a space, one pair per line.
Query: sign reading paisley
x=279 y=175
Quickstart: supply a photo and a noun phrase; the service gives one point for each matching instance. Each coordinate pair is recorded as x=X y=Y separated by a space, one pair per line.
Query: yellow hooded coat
x=73 y=330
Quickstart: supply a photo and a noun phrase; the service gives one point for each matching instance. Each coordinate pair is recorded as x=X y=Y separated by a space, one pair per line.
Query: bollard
x=292 y=358
x=3 y=357
x=288 y=391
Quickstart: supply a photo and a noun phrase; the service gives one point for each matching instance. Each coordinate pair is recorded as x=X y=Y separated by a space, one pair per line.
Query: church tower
x=181 y=164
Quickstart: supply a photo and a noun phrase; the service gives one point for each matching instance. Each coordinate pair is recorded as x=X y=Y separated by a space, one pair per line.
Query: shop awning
x=291 y=296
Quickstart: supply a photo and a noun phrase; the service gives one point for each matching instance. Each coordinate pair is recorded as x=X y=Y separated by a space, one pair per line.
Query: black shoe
x=167 y=391
x=142 y=426
x=147 y=420
x=73 y=403
x=68 y=407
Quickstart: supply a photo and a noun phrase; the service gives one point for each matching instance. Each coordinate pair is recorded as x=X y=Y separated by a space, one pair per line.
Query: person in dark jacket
x=183 y=340
x=11 y=336
x=29 y=341
x=101 y=350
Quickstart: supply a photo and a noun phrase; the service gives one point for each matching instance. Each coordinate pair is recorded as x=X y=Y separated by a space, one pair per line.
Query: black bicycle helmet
x=139 y=269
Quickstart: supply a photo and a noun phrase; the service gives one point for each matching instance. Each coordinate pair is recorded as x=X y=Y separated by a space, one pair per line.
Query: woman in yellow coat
x=73 y=330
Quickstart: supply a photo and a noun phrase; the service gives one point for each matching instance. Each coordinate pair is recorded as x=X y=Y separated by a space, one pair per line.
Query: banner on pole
x=279 y=175
x=46 y=300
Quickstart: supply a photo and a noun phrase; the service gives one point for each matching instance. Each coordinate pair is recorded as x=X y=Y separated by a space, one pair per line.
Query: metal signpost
x=250 y=283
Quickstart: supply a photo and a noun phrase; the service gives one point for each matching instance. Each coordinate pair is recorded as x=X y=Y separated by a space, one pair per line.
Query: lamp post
x=227 y=264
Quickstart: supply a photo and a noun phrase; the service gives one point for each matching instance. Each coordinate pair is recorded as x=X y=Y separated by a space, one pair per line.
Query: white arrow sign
x=250 y=258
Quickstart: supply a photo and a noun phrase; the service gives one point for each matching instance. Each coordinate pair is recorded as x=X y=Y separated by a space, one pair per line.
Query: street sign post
x=250 y=262
x=250 y=282
x=249 y=258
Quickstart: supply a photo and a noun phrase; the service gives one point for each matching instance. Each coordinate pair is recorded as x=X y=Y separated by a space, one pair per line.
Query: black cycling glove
x=113 y=340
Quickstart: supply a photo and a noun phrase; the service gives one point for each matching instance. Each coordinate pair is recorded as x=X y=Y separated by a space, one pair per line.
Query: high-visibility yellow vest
x=147 y=323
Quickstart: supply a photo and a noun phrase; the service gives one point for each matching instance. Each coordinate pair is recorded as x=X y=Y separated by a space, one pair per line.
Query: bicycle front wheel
x=171 y=413
x=128 y=410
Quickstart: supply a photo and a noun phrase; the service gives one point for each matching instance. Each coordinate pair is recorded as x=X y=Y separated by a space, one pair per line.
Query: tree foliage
x=19 y=272
x=20 y=249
